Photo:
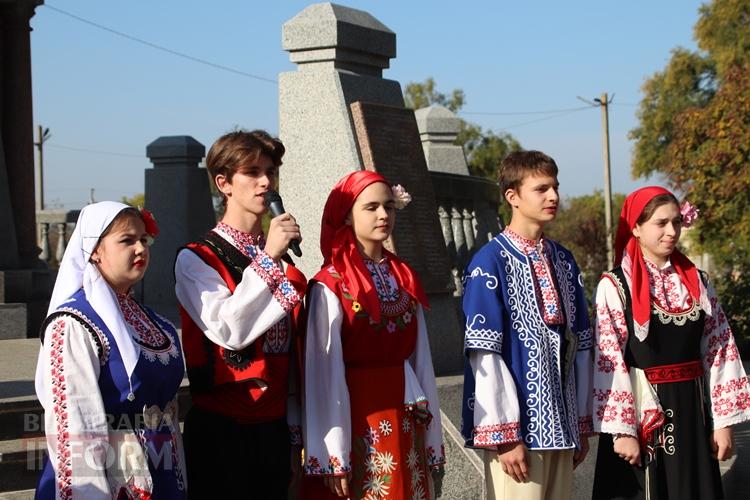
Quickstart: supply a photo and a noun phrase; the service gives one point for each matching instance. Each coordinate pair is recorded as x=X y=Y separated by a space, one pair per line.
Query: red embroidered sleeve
x=275 y=279
x=614 y=405
x=62 y=459
x=730 y=391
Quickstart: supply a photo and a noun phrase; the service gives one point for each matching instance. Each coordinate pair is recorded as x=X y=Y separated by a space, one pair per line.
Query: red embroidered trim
x=679 y=372
x=652 y=420
x=64 y=467
x=491 y=435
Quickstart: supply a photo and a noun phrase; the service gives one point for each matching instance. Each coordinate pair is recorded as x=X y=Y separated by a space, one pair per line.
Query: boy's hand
x=580 y=454
x=722 y=444
x=281 y=232
x=627 y=448
x=514 y=460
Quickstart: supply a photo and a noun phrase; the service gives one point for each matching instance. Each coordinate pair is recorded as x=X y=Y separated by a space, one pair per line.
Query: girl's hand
x=722 y=444
x=627 y=448
x=339 y=485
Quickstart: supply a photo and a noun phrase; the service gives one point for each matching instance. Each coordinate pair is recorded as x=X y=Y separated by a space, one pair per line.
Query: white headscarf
x=76 y=272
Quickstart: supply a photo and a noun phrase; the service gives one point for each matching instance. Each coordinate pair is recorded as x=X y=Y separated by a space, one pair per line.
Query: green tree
x=580 y=227
x=421 y=95
x=137 y=200
x=695 y=131
x=484 y=149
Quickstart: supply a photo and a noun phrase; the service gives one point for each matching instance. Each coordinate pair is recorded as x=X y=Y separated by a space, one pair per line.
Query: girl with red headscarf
x=668 y=379
x=372 y=419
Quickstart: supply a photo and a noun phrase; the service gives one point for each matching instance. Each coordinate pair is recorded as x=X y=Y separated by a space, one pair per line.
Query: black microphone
x=272 y=200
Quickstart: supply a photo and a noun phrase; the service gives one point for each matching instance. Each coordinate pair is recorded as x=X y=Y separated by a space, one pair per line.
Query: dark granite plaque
x=389 y=144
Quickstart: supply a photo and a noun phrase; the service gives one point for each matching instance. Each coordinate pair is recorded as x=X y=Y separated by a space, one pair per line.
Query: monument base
x=446 y=333
x=24 y=299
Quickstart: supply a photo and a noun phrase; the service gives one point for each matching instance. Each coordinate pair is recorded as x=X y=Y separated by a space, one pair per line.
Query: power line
x=159 y=47
x=510 y=113
x=94 y=151
x=558 y=115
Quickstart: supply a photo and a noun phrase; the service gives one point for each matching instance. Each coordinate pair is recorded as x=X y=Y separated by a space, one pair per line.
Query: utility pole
x=604 y=104
x=42 y=135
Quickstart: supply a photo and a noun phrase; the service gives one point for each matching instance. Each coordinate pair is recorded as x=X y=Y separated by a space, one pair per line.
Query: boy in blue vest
x=528 y=343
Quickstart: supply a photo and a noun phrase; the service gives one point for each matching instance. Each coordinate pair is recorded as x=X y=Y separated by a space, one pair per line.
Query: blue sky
x=101 y=92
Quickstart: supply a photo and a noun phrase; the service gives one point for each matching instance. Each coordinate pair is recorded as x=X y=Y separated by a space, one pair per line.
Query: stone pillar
x=178 y=194
x=340 y=55
x=438 y=128
x=16 y=136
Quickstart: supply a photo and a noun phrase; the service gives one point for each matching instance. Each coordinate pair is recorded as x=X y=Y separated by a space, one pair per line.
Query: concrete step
x=18 y=495
x=21 y=462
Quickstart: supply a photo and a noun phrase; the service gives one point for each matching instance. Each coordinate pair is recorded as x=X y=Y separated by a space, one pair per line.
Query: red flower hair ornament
x=152 y=229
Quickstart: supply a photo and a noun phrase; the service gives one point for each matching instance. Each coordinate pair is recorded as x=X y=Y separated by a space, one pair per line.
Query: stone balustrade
x=61 y=223
x=467 y=205
x=467 y=208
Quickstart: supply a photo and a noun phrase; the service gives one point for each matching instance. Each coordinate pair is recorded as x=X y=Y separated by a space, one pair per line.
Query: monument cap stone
x=175 y=150
x=332 y=35
x=438 y=129
x=438 y=123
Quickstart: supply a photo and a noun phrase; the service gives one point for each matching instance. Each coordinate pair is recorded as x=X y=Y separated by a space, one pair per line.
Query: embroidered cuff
x=276 y=281
x=613 y=429
x=295 y=435
x=585 y=425
x=334 y=467
x=493 y=435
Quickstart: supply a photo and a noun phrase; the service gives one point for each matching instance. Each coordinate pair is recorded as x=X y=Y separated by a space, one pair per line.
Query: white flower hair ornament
x=689 y=214
x=400 y=196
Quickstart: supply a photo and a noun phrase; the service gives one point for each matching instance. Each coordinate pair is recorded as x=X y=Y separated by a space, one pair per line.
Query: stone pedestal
x=25 y=284
x=438 y=129
x=341 y=53
x=16 y=135
x=178 y=194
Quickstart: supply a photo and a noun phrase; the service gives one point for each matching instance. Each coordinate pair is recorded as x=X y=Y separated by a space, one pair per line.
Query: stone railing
x=55 y=226
x=468 y=208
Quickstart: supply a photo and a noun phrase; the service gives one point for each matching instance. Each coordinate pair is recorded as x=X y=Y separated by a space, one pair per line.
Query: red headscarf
x=627 y=245
x=339 y=248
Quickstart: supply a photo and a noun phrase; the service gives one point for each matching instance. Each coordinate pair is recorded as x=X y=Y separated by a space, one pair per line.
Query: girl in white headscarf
x=109 y=369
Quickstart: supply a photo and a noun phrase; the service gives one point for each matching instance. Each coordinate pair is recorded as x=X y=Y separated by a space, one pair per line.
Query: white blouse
x=327 y=414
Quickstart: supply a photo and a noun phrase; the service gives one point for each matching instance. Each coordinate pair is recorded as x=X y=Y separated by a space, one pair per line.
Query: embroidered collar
x=245 y=242
x=369 y=262
x=655 y=269
x=525 y=244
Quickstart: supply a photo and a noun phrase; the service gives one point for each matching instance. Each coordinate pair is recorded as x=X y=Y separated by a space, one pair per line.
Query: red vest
x=368 y=344
x=225 y=381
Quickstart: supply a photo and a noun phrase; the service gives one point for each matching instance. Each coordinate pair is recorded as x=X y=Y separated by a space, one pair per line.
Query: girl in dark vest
x=668 y=379
x=109 y=369
x=372 y=417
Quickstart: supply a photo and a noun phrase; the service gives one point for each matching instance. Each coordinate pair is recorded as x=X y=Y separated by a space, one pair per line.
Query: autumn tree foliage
x=695 y=131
